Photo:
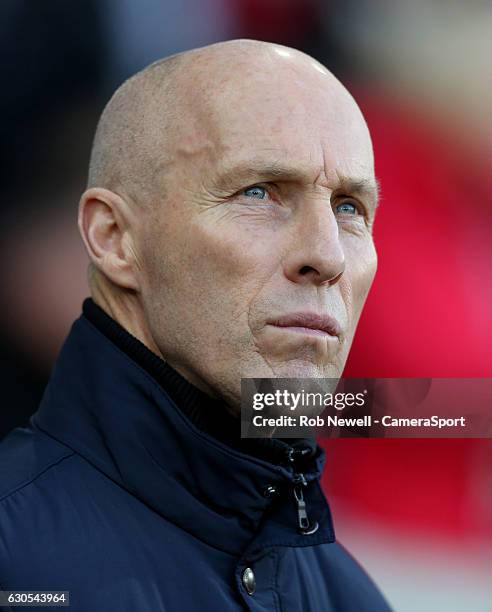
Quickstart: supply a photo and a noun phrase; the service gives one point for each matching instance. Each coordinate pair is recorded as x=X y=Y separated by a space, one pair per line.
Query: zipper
x=304 y=525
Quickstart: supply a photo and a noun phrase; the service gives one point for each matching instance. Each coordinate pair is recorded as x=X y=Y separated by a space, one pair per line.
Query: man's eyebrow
x=256 y=170
x=370 y=188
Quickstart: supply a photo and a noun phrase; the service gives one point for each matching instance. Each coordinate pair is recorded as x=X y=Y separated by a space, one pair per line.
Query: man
x=228 y=219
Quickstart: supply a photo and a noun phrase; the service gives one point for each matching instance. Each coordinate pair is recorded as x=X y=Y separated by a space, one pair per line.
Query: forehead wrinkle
x=261 y=169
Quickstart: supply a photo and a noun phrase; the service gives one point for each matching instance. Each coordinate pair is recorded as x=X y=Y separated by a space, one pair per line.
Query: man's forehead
x=300 y=135
x=268 y=94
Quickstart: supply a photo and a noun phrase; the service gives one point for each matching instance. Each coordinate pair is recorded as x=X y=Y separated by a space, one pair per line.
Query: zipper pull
x=302 y=517
x=303 y=523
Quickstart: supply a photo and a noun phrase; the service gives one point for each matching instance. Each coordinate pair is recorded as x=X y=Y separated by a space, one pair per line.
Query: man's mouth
x=308 y=323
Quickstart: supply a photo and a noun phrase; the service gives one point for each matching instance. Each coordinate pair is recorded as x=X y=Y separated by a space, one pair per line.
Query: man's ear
x=104 y=226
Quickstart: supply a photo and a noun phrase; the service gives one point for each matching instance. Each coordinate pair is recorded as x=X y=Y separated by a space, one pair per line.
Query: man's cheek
x=232 y=247
x=361 y=269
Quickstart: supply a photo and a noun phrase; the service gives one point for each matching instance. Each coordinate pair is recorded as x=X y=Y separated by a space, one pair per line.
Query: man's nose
x=316 y=254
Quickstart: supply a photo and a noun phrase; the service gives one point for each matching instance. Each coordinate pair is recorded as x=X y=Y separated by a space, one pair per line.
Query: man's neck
x=126 y=309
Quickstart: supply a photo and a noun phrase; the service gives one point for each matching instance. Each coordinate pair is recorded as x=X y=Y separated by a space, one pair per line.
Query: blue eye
x=346 y=208
x=260 y=193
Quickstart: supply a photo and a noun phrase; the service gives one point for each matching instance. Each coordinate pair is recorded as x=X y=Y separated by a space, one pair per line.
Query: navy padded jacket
x=113 y=494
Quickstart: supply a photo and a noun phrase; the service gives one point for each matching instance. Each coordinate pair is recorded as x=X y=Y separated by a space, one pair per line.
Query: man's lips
x=308 y=322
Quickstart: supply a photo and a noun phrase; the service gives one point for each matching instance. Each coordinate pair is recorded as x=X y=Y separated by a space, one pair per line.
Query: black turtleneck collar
x=208 y=414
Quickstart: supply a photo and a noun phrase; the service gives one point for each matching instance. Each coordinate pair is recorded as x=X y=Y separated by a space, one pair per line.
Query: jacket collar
x=207 y=414
x=107 y=408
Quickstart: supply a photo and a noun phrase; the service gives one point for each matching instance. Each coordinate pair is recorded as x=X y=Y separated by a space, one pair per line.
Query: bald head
x=131 y=142
x=185 y=96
